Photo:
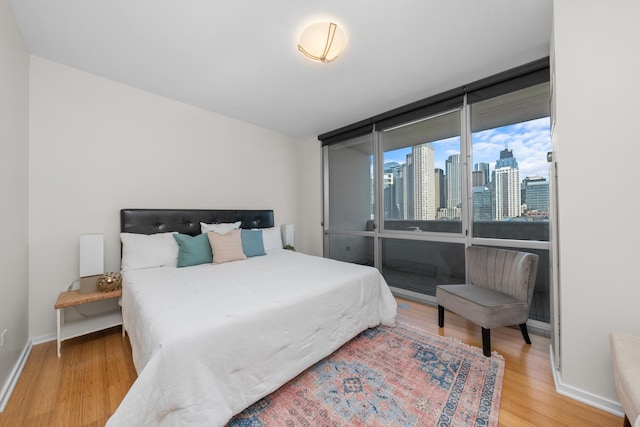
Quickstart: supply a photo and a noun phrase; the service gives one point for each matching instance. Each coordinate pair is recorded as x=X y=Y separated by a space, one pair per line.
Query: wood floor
x=85 y=385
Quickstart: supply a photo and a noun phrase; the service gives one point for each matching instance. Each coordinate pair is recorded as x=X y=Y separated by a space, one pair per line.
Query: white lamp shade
x=322 y=42
x=286 y=231
x=91 y=254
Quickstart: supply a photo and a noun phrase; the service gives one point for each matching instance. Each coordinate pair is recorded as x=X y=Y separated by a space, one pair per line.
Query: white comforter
x=210 y=340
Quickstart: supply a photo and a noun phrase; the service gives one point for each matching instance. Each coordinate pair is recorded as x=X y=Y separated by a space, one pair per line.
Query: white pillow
x=271 y=239
x=148 y=250
x=221 y=228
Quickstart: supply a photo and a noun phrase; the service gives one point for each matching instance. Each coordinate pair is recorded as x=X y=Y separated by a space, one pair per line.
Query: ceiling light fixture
x=322 y=42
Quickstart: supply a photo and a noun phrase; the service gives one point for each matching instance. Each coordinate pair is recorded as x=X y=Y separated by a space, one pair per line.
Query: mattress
x=210 y=340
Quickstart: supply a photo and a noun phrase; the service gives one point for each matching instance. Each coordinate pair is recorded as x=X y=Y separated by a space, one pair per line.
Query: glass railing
x=421 y=265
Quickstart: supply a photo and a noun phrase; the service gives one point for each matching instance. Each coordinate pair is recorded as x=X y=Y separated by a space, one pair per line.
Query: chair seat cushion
x=625 y=349
x=485 y=307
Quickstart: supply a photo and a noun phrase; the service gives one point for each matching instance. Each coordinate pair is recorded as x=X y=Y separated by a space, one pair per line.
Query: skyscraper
x=482 y=167
x=440 y=196
x=481 y=203
x=507 y=193
x=478 y=179
x=506 y=159
x=424 y=182
x=481 y=192
x=399 y=190
x=452 y=166
x=506 y=187
x=536 y=193
x=407 y=189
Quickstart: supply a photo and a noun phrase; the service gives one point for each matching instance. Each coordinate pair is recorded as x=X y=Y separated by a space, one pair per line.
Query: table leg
x=59 y=319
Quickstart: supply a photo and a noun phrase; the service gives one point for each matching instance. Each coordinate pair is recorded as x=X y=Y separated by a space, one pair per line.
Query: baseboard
x=11 y=382
x=43 y=338
x=585 y=397
x=414 y=296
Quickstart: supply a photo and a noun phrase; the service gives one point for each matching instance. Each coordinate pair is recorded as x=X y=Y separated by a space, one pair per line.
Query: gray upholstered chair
x=499 y=293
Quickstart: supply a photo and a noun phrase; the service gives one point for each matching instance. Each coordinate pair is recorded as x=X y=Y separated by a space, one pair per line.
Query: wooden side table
x=91 y=324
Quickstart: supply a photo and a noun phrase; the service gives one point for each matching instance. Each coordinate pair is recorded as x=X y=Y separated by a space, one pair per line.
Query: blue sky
x=530 y=142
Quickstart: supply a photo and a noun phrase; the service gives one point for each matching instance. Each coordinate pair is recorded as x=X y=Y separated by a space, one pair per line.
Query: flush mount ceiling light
x=322 y=42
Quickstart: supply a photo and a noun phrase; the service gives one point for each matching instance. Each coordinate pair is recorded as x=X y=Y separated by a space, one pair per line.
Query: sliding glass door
x=414 y=189
x=349 y=201
x=422 y=182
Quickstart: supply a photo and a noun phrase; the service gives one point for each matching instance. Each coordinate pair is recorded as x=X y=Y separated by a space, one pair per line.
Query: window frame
x=536 y=73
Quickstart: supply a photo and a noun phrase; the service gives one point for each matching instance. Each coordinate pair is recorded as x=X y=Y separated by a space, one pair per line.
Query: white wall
x=14 y=134
x=308 y=177
x=97 y=146
x=598 y=152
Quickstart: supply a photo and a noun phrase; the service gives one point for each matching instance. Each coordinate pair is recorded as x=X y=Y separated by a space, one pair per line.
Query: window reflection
x=420 y=266
x=353 y=249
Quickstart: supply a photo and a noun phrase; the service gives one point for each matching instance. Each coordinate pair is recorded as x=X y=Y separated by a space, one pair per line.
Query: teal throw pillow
x=252 y=244
x=193 y=250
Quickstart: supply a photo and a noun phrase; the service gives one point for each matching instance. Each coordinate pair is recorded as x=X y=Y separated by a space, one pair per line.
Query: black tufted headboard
x=187 y=221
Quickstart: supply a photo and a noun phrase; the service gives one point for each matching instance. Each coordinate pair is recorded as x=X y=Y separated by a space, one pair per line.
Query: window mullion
x=467 y=185
x=378 y=215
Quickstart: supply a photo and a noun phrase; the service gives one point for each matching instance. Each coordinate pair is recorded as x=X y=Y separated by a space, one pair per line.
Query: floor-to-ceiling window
x=422 y=185
x=510 y=139
x=411 y=192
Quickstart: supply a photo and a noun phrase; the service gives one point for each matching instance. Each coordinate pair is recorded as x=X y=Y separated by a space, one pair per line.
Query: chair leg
x=486 y=342
x=440 y=316
x=525 y=333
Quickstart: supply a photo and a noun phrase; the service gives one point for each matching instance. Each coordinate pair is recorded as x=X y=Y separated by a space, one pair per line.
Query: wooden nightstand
x=84 y=326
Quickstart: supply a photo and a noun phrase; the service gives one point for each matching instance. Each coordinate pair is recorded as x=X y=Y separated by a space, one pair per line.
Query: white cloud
x=529 y=142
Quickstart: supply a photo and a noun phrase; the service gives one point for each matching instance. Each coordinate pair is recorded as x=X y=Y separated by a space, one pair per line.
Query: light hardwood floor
x=85 y=385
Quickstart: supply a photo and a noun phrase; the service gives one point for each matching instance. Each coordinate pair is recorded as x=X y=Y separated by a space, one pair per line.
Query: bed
x=209 y=339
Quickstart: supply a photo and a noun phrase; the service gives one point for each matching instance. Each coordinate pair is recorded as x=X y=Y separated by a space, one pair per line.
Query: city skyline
x=504 y=196
x=531 y=140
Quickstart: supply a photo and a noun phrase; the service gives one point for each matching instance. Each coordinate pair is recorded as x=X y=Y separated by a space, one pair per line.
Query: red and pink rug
x=398 y=376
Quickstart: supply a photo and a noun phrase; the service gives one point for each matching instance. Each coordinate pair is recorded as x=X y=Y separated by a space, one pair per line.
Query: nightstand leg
x=58 y=317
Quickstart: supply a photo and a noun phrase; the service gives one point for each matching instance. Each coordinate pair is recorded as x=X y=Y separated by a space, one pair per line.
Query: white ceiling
x=239 y=58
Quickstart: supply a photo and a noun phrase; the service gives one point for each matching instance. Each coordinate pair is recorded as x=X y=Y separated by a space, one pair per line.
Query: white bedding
x=210 y=340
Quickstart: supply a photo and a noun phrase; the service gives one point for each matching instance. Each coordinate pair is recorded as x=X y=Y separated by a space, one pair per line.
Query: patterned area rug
x=398 y=376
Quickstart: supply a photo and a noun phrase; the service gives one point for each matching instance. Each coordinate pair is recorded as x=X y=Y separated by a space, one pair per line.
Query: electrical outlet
x=2 y=337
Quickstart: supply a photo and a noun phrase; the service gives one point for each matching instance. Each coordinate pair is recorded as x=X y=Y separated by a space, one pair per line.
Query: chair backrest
x=510 y=272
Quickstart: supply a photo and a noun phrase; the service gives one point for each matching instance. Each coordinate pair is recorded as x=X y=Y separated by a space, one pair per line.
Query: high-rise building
x=399 y=190
x=481 y=203
x=481 y=192
x=388 y=185
x=536 y=194
x=392 y=183
x=506 y=159
x=482 y=167
x=423 y=182
x=407 y=189
x=440 y=196
x=478 y=179
x=506 y=185
x=451 y=212
x=506 y=196
x=452 y=166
